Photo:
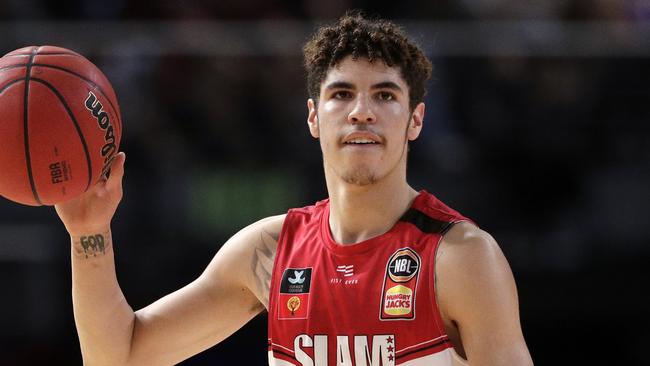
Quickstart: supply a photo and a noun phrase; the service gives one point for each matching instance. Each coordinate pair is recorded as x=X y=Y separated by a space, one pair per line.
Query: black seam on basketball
x=9 y=67
x=12 y=82
x=25 y=127
x=115 y=112
x=69 y=52
x=44 y=54
x=76 y=125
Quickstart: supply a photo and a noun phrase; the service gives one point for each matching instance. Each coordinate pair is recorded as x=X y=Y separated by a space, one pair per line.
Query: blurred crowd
x=549 y=153
x=314 y=9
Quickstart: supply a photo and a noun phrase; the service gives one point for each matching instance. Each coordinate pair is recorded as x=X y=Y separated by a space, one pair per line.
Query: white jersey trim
x=283 y=347
x=278 y=362
x=419 y=344
x=448 y=357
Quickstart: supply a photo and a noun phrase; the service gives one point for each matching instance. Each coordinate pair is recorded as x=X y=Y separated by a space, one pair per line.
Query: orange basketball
x=60 y=125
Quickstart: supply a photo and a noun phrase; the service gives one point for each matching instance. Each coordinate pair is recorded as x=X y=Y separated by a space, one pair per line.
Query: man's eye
x=342 y=94
x=386 y=96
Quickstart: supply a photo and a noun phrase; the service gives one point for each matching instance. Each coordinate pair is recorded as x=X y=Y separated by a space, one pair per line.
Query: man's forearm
x=103 y=317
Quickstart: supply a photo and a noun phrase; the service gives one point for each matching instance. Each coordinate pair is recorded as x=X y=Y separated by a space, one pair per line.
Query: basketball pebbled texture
x=60 y=125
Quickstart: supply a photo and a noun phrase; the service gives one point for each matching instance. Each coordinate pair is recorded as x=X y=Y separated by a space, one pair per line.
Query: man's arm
x=477 y=296
x=228 y=294
x=231 y=291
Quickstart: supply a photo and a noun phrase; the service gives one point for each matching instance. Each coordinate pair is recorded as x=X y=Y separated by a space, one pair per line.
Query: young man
x=379 y=274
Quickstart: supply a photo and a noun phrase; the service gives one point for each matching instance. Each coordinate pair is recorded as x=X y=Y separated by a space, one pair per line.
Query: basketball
x=60 y=125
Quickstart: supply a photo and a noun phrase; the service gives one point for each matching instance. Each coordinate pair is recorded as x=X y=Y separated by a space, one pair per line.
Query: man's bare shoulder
x=248 y=256
x=271 y=225
x=260 y=235
x=464 y=230
x=469 y=243
x=468 y=262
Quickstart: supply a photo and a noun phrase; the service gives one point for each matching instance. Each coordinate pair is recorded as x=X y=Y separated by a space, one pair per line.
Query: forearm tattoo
x=92 y=245
x=263 y=264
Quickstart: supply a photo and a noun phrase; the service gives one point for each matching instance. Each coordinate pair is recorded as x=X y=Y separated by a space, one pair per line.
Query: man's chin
x=360 y=177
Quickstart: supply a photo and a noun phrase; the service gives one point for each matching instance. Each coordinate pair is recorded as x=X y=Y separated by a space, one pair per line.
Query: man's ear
x=312 y=118
x=415 y=124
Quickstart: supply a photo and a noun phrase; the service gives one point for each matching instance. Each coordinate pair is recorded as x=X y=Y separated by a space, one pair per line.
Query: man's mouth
x=360 y=141
x=358 y=138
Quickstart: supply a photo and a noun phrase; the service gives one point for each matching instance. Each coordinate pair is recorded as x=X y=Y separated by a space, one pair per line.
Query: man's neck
x=358 y=213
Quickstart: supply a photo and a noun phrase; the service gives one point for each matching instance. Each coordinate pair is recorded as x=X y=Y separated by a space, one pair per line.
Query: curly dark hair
x=375 y=39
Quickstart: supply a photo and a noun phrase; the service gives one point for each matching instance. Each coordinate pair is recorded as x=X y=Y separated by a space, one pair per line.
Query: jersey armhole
x=437 y=312
x=432 y=284
x=281 y=239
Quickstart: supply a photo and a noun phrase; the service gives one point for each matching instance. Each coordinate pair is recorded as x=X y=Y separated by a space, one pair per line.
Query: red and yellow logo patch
x=398 y=300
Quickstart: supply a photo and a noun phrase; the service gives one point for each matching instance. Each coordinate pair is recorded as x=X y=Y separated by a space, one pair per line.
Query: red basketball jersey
x=367 y=304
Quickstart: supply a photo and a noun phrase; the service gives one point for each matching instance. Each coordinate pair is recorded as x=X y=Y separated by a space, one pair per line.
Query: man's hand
x=93 y=211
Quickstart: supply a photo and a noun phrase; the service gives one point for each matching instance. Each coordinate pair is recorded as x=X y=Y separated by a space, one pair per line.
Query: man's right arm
x=231 y=291
x=225 y=297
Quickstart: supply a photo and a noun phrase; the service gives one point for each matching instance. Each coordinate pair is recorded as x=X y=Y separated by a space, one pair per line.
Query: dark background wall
x=536 y=127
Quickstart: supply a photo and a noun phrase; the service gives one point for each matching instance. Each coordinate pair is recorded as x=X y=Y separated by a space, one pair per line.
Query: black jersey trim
x=425 y=223
x=275 y=350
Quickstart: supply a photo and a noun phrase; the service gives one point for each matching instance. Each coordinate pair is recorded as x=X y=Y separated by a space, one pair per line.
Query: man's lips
x=362 y=138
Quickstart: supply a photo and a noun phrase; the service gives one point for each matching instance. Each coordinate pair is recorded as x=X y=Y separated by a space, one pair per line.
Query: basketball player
x=378 y=274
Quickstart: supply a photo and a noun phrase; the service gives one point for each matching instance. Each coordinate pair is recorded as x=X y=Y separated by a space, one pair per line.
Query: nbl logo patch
x=400 y=283
x=293 y=300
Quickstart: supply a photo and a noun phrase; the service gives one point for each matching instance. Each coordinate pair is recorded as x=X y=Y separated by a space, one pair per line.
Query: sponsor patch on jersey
x=398 y=300
x=293 y=301
x=400 y=283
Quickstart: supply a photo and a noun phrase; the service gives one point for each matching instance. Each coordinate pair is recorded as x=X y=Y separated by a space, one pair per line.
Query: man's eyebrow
x=339 y=85
x=346 y=85
x=387 y=85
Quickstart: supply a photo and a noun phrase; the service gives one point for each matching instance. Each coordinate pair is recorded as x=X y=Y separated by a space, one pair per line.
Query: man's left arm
x=477 y=295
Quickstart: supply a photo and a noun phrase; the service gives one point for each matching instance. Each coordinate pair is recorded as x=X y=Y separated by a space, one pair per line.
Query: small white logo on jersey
x=346 y=270
x=297 y=274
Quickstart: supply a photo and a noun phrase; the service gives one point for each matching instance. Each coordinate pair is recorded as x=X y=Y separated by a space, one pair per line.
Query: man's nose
x=362 y=111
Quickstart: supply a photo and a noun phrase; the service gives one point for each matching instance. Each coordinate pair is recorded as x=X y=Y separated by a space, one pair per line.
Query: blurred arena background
x=536 y=127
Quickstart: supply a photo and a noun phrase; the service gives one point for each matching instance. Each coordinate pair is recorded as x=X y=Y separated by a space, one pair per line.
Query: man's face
x=363 y=121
